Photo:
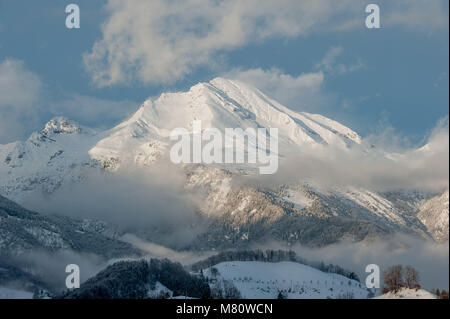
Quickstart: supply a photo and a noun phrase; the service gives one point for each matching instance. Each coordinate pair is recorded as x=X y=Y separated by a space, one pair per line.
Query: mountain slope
x=56 y=155
x=218 y=104
x=434 y=215
x=22 y=230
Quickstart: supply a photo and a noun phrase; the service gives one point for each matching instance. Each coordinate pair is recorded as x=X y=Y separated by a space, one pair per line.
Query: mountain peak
x=220 y=82
x=223 y=103
x=57 y=126
x=61 y=125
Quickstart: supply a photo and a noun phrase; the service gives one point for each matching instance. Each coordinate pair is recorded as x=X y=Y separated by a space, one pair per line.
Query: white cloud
x=18 y=86
x=20 y=91
x=329 y=64
x=162 y=41
x=26 y=104
x=92 y=111
x=158 y=251
x=418 y=15
x=378 y=164
x=303 y=92
x=298 y=92
x=329 y=59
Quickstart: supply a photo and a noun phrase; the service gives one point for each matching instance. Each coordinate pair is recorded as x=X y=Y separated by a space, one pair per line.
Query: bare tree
x=411 y=277
x=214 y=272
x=346 y=295
x=393 y=278
x=230 y=290
x=281 y=294
x=217 y=290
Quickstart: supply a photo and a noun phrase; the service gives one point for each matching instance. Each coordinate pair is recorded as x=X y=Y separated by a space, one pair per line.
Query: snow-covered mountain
x=218 y=104
x=65 y=152
x=57 y=154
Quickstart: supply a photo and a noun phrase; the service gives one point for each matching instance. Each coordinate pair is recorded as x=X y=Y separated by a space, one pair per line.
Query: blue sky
x=367 y=79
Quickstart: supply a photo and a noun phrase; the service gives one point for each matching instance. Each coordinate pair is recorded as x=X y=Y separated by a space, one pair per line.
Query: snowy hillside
x=407 y=293
x=22 y=230
x=8 y=293
x=265 y=280
x=434 y=215
x=297 y=214
x=162 y=279
x=57 y=154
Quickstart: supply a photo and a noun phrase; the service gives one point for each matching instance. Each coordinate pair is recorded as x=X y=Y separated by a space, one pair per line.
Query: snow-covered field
x=264 y=280
x=408 y=294
x=8 y=293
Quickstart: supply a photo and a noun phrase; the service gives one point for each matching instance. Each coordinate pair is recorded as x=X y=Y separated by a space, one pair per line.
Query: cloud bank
x=300 y=92
x=150 y=202
x=304 y=92
x=378 y=164
x=154 y=42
